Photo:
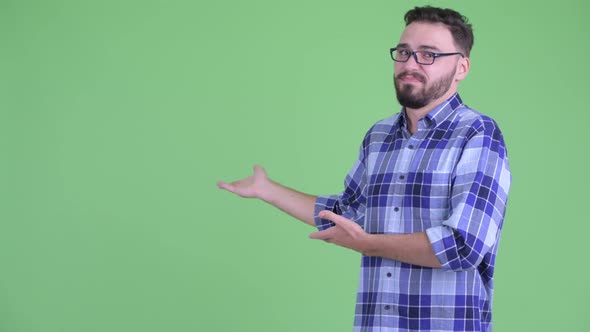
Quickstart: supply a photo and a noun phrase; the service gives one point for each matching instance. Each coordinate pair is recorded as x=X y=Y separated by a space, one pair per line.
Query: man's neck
x=413 y=115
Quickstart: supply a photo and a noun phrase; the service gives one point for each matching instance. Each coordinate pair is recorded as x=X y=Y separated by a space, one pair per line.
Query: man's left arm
x=478 y=203
x=412 y=248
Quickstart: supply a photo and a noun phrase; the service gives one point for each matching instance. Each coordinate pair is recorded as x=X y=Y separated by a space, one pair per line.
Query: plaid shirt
x=451 y=180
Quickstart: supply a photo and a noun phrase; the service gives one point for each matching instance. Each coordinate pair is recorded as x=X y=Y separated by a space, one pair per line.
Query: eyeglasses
x=421 y=57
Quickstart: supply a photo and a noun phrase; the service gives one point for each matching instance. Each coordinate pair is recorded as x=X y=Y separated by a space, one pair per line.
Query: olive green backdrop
x=118 y=117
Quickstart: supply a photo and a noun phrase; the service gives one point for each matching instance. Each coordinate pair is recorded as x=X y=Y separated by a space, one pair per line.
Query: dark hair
x=457 y=24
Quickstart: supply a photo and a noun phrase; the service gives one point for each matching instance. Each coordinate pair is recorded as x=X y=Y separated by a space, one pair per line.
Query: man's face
x=418 y=85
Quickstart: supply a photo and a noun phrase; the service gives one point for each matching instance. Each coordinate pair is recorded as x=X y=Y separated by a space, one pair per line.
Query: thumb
x=259 y=170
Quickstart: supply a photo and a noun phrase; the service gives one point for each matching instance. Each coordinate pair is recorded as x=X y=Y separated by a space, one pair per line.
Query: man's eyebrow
x=428 y=47
x=421 y=47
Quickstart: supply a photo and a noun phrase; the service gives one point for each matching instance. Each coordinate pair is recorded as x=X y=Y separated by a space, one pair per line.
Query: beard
x=412 y=97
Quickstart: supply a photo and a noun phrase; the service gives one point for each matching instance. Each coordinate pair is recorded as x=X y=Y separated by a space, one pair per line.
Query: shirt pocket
x=430 y=195
x=430 y=184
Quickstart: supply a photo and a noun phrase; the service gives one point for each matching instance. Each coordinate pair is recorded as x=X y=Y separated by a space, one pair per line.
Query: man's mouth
x=409 y=78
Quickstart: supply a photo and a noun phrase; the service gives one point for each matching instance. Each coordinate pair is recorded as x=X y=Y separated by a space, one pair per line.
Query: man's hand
x=259 y=185
x=250 y=187
x=346 y=233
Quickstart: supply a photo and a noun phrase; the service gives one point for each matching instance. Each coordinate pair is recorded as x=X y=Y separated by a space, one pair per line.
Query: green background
x=118 y=117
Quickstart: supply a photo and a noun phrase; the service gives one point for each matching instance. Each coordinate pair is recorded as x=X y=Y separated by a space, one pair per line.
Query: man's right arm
x=258 y=185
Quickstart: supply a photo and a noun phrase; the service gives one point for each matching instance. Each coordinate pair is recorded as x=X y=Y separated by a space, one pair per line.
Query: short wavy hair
x=457 y=24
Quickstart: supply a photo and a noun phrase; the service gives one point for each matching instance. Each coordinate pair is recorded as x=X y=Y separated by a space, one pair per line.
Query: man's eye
x=404 y=52
x=427 y=55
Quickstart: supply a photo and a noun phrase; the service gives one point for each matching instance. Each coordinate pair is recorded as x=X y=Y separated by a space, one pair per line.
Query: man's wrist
x=367 y=245
x=267 y=192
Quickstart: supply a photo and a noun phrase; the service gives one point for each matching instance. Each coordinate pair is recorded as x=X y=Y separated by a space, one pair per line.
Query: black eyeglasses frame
x=414 y=54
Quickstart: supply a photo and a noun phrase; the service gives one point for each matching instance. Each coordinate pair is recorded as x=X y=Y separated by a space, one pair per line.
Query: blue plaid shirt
x=451 y=180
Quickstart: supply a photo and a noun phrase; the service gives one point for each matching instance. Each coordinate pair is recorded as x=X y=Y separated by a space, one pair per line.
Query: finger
x=335 y=218
x=348 y=226
x=226 y=186
x=322 y=235
x=239 y=183
x=325 y=214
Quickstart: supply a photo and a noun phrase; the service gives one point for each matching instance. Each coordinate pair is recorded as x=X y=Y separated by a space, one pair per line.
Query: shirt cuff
x=325 y=203
x=443 y=243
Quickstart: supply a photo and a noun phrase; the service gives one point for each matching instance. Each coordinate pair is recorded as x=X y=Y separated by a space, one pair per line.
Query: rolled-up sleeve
x=350 y=203
x=479 y=193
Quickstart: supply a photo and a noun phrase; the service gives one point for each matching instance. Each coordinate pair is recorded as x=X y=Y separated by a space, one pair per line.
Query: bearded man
x=425 y=201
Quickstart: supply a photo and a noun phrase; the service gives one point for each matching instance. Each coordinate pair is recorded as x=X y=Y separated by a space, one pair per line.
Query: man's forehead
x=426 y=35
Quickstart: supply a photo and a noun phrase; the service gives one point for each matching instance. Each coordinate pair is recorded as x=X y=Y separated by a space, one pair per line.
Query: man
x=425 y=201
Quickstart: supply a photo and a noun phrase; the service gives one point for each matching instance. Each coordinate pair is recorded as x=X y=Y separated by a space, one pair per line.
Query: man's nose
x=412 y=62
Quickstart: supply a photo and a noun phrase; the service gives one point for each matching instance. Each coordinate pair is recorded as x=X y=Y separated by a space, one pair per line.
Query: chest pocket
x=429 y=189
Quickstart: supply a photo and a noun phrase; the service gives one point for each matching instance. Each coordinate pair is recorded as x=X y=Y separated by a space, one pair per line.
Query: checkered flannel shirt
x=449 y=179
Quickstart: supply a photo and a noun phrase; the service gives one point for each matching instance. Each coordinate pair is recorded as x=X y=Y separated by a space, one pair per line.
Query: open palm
x=249 y=187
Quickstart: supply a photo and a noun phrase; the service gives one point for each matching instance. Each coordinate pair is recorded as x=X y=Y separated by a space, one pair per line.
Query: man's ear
x=462 y=68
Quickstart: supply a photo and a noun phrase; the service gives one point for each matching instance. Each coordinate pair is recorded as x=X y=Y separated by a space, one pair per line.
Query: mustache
x=415 y=75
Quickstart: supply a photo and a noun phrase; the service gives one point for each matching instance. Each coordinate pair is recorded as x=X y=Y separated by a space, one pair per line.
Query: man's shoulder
x=382 y=130
x=465 y=116
x=385 y=124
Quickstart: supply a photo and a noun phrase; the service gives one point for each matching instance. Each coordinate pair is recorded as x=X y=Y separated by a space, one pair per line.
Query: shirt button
x=411 y=146
x=387 y=307
x=396 y=209
x=388 y=274
x=401 y=177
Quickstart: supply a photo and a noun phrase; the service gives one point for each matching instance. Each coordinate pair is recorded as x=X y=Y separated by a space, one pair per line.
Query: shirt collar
x=437 y=115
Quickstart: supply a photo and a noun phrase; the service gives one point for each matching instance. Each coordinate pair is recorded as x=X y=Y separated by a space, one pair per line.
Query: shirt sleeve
x=350 y=203
x=479 y=193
